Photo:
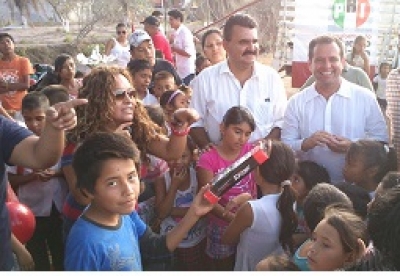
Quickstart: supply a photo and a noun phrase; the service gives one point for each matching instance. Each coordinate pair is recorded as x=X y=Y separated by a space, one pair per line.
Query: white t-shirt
x=216 y=89
x=39 y=196
x=184 y=199
x=262 y=237
x=150 y=99
x=183 y=39
x=381 y=90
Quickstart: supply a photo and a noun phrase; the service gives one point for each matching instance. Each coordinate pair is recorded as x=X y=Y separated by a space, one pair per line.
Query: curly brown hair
x=97 y=115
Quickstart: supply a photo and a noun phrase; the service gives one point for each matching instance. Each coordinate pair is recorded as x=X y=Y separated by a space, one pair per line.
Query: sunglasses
x=121 y=32
x=121 y=93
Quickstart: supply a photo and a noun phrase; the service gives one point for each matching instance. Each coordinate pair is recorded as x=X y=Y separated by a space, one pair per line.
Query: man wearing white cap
x=141 y=47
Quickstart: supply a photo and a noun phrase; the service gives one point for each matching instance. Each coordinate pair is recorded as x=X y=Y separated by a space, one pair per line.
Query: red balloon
x=22 y=221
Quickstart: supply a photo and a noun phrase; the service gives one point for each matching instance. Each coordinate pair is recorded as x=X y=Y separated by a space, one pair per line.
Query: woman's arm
x=243 y=220
x=109 y=45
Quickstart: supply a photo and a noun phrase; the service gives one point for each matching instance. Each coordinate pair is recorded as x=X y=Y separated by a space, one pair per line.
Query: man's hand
x=318 y=138
x=339 y=144
x=62 y=116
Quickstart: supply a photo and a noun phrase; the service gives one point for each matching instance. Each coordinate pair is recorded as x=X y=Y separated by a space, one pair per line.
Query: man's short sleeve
x=11 y=135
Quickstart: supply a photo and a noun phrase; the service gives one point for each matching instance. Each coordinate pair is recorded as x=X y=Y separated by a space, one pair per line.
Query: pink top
x=212 y=161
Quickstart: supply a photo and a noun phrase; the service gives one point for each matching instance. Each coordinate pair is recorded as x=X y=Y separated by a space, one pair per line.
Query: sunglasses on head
x=121 y=93
x=121 y=32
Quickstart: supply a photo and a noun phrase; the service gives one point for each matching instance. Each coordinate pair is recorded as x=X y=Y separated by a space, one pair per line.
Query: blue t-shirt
x=94 y=247
x=10 y=136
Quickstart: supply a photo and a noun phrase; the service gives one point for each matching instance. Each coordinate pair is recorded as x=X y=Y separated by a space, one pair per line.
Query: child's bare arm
x=243 y=220
x=24 y=258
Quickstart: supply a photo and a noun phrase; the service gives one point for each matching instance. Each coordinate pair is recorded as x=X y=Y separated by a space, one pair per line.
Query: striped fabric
x=393 y=109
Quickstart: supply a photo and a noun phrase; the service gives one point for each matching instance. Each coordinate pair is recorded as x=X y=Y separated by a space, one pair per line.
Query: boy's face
x=141 y=80
x=34 y=120
x=116 y=189
x=6 y=46
x=161 y=86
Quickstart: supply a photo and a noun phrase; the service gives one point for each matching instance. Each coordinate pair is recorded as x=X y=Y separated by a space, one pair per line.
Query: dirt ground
x=42 y=44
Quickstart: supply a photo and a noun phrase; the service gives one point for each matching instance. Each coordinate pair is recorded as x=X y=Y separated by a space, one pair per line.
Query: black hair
x=383 y=63
x=390 y=180
x=383 y=224
x=277 y=169
x=166 y=99
x=277 y=262
x=56 y=93
x=119 y=25
x=374 y=154
x=98 y=148
x=312 y=173
x=176 y=14
x=358 y=196
x=324 y=39
x=60 y=61
x=137 y=65
x=156 y=114
x=207 y=33
x=200 y=59
x=35 y=100
x=373 y=260
x=3 y=35
x=242 y=20
x=156 y=13
x=237 y=115
x=321 y=196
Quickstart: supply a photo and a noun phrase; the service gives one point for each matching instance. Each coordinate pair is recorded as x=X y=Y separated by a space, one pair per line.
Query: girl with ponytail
x=266 y=225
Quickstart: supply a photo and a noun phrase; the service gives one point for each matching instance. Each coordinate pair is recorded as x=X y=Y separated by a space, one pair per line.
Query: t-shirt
x=11 y=134
x=94 y=247
x=381 y=90
x=213 y=162
x=12 y=72
x=161 y=43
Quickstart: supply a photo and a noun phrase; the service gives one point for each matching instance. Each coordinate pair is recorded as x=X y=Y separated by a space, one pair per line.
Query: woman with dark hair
x=119 y=47
x=211 y=43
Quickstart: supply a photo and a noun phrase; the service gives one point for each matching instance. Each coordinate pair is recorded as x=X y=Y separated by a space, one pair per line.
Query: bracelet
x=179 y=132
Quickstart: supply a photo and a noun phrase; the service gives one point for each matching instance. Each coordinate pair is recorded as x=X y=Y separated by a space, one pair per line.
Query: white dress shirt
x=352 y=112
x=183 y=39
x=216 y=89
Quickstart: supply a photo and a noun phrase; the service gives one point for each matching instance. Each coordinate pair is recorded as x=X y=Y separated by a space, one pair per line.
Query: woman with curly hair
x=113 y=107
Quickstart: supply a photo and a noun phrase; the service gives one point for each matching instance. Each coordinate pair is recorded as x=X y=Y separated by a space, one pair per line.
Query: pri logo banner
x=351 y=13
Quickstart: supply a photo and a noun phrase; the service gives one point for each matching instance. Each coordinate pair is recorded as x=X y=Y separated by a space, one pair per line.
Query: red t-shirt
x=161 y=43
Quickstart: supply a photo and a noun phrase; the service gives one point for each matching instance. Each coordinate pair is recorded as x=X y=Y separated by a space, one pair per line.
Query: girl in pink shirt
x=236 y=128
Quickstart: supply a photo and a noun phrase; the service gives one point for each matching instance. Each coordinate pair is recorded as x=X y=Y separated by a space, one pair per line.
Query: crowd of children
x=128 y=191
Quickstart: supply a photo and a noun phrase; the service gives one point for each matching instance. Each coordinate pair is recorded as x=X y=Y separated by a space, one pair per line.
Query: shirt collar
x=225 y=68
x=344 y=91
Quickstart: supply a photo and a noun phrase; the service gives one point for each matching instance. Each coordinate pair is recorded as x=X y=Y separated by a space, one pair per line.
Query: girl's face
x=360 y=46
x=68 y=70
x=354 y=170
x=384 y=70
x=124 y=100
x=182 y=163
x=299 y=186
x=326 y=251
x=214 y=49
x=235 y=135
x=181 y=101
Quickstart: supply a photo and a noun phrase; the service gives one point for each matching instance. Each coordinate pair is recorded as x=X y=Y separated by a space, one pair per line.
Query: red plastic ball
x=22 y=221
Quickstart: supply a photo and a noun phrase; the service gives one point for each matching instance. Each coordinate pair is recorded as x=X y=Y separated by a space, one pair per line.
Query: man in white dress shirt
x=240 y=80
x=322 y=120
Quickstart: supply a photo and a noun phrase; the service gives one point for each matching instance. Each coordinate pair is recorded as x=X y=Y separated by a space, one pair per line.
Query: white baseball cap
x=137 y=37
